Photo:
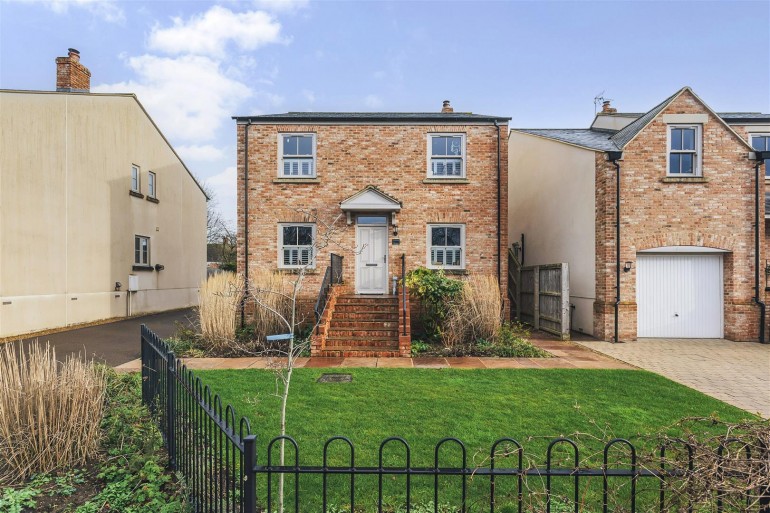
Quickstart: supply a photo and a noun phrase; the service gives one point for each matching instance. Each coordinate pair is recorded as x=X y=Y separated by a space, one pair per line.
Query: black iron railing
x=216 y=454
x=332 y=276
x=403 y=291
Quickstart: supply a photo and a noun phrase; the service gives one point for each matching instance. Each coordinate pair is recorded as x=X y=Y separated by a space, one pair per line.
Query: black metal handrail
x=403 y=290
x=332 y=276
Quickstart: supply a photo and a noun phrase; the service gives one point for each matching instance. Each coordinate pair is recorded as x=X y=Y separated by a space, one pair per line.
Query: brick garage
x=677 y=218
x=393 y=156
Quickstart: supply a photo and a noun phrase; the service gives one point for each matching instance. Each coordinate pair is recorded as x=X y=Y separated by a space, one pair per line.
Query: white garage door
x=679 y=296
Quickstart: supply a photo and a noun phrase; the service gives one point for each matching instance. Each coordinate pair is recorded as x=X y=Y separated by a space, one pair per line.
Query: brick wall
x=394 y=158
x=71 y=75
x=717 y=213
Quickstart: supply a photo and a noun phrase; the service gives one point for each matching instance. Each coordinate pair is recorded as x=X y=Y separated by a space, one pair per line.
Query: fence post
x=170 y=408
x=536 y=297
x=249 y=475
x=565 y=308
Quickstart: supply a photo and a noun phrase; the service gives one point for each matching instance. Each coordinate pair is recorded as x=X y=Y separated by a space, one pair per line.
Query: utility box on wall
x=133 y=282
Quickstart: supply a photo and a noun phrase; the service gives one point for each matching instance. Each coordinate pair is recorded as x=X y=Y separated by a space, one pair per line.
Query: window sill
x=457 y=272
x=289 y=270
x=143 y=268
x=135 y=194
x=447 y=180
x=152 y=200
x=684 y=179
x=296 y=180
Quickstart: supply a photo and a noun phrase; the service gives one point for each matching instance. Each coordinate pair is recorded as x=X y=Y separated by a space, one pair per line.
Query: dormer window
x=684 y=145
x=297 y=156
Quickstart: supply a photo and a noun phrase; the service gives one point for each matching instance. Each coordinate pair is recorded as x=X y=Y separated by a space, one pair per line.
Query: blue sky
x=195 y=64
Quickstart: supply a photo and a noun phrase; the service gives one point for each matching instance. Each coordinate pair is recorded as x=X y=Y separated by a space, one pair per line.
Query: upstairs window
x=151 y=181
x=447 y=156
x=446 y=246
x=684 y=150
x=141 y=250
x=297 y=156
x=135 y=179
x=296 y=245
x=761 y=142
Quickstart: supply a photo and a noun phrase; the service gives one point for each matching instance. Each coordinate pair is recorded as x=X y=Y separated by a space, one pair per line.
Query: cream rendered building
x=100 y=218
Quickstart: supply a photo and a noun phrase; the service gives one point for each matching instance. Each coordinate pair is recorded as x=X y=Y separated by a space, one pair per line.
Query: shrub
x=219 y=298
x=436 y=293
x=50 y=411
x=476 y=314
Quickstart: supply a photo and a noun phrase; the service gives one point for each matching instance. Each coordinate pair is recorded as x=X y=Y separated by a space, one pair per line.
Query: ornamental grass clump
x=50 y=411
x=476 y=314
x=271 y=293
x=219 y=301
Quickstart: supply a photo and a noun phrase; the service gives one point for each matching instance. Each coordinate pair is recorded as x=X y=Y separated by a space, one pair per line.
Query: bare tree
x=284 y=354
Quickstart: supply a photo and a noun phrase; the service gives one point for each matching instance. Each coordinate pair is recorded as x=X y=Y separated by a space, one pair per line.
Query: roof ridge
x=627 y=133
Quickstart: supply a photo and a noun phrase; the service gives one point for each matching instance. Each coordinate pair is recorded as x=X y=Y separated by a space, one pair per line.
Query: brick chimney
x=446 y=107
x=606 y=109
x=71 y=76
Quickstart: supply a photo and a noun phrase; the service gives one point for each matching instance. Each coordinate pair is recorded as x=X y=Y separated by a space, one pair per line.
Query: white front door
x=372 y=260
x=679 y=295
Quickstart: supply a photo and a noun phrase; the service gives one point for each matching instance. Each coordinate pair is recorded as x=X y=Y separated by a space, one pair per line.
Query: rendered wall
x=68 y=222
x=551 y=201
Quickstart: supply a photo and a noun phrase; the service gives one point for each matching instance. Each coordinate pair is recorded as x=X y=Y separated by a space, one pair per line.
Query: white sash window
x=446 y=246
x=297 y=156
x=296 y=245
x=447 y=155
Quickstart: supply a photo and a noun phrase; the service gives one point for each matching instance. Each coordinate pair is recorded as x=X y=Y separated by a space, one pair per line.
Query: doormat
x=335 y=378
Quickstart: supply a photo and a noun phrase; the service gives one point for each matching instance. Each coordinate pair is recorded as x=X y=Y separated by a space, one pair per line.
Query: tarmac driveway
x=113 y=343
x=737 y=373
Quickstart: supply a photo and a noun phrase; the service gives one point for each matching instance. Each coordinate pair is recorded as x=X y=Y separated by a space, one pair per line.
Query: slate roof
x=623 y=136
x=590 y=138
x=733 y=117
x=362 y=117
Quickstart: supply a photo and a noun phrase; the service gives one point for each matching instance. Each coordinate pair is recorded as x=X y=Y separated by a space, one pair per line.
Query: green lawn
x=476 y=406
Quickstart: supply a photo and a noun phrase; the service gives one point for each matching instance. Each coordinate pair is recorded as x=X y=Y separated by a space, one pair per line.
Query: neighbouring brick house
x=686 y=220
x=429 y=186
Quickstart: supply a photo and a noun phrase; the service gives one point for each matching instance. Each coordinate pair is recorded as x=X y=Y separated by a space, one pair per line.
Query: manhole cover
x=335 y=378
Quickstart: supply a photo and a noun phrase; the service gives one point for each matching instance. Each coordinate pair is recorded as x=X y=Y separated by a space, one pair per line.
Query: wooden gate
x=539 y=295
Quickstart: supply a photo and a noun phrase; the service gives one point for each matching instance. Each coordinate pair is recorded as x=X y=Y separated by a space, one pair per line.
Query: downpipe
x=499 y=277
x=614 y=156
x=245 y=220
x=761 y=156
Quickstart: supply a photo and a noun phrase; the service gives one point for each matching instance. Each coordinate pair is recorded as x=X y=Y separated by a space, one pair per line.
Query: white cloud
x=373 y=101
x=188 y=96
x=200 y=153
x=309 y=95
x=281 y=5
x=108 y=10
x=210 y=32
x=225 y=191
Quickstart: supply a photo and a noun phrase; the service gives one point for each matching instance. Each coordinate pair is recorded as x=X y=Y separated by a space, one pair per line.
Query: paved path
x=113 y=343
x=567 y=355
x=737 y=373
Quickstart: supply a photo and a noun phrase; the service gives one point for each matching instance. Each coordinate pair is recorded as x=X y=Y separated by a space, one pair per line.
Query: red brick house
x=687 y=223
x=431 y=187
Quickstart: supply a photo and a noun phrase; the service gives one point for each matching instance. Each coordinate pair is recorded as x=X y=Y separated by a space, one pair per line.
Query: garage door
x=679 y=296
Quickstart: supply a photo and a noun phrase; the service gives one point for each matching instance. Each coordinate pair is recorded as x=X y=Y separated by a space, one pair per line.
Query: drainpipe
x=761 y=157
x=499 y=278
x=245 y=220
x=614 y=156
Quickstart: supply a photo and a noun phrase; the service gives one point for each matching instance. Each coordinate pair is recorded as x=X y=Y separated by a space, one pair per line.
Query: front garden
x=75 y=438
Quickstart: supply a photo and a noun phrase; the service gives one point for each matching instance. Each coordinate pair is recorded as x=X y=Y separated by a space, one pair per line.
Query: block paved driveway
x=737 y=373
x=113 y=343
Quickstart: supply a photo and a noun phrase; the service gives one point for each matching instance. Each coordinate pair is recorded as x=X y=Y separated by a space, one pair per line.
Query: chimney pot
x=73 y=54
x=447 y=107
x=607 y=109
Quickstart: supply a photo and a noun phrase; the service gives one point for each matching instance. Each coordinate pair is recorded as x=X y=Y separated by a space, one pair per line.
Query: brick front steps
x=362 y=326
